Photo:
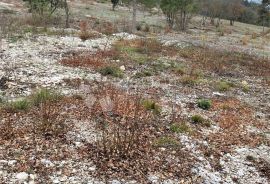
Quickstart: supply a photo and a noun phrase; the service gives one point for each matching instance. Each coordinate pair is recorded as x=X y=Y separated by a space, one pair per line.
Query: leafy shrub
x=111 y=70
x=180 y=128
x=197 y=119
x=151 y=106
x=204 y=104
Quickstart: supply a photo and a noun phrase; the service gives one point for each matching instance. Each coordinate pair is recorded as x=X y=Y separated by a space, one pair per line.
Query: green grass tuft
x=113 y=71
x=204 y=104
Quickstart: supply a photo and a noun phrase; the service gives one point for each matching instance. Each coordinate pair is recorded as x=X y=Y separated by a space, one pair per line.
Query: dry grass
x=95 y=60
x=224 y=63
x=85 y=34
x=233 y=117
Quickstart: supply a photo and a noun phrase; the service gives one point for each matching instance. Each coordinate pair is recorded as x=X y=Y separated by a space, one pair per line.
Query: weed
x=204 y=104
x=145 y=73
x=111 y=70
x=179 y=70
x=151 y=106
x=189 y=80
x=180 y=128
x=166 y=142
x=224 y=86
x=45 y=95
x=245 y=86
x=19 y=105
x=197 y=119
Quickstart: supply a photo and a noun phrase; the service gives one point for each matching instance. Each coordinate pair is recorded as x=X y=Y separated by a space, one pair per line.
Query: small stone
x=93 y=168
x=123 y=68
x=115 y=182
x=56 y=180
x=22 y=176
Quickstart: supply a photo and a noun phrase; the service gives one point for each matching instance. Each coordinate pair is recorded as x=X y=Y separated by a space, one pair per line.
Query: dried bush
x=126 y=132
x=50 y=122
x=85 y=34
x=95 y=60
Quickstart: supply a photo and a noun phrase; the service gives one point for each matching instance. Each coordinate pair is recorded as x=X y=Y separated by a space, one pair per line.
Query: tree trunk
x=67 y=14
x=231 y=22
x=134 y=15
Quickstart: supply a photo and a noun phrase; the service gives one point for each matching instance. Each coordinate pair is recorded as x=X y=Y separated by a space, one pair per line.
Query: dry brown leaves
x=233 y=117
x=224 y=63
x=95 y=60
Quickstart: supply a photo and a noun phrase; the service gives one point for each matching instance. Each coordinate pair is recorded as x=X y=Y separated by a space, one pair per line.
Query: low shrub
x=19 y=105
x=197 y=119
x=145 y=73
x=224 y=86
x=111 y=70
x=45 y=95
x=180 y=128
x=151 y=106
x=204 y=104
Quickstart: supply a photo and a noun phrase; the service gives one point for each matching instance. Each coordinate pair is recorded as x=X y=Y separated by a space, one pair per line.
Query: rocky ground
x=185 y=107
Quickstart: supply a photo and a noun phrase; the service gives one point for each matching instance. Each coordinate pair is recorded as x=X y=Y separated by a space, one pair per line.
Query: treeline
x=235 y=10
x=180 y=12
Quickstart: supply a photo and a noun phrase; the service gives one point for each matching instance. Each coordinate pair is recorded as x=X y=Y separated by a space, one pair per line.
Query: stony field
x=95 y=104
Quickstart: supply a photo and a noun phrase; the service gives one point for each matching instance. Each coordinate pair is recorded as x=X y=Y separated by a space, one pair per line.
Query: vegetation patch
x=204 y=104
x=224 y=63
x=180 y=128
x=224 y=86
x=197 y=119
x=167 y=142
x=151 y=106
x=112 y=71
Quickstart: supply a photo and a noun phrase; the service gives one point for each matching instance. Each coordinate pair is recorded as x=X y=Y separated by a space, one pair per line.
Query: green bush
x=197 y=119
x=224 y=86
x=111 y=70
x=152 y=106
x=204 y=104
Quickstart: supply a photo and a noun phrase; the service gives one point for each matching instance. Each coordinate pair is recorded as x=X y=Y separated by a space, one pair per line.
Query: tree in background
x=264 y=13
x=114 y=4
x=178 y=12
x=135 y=3
x=41 y=6
x=233 y=10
